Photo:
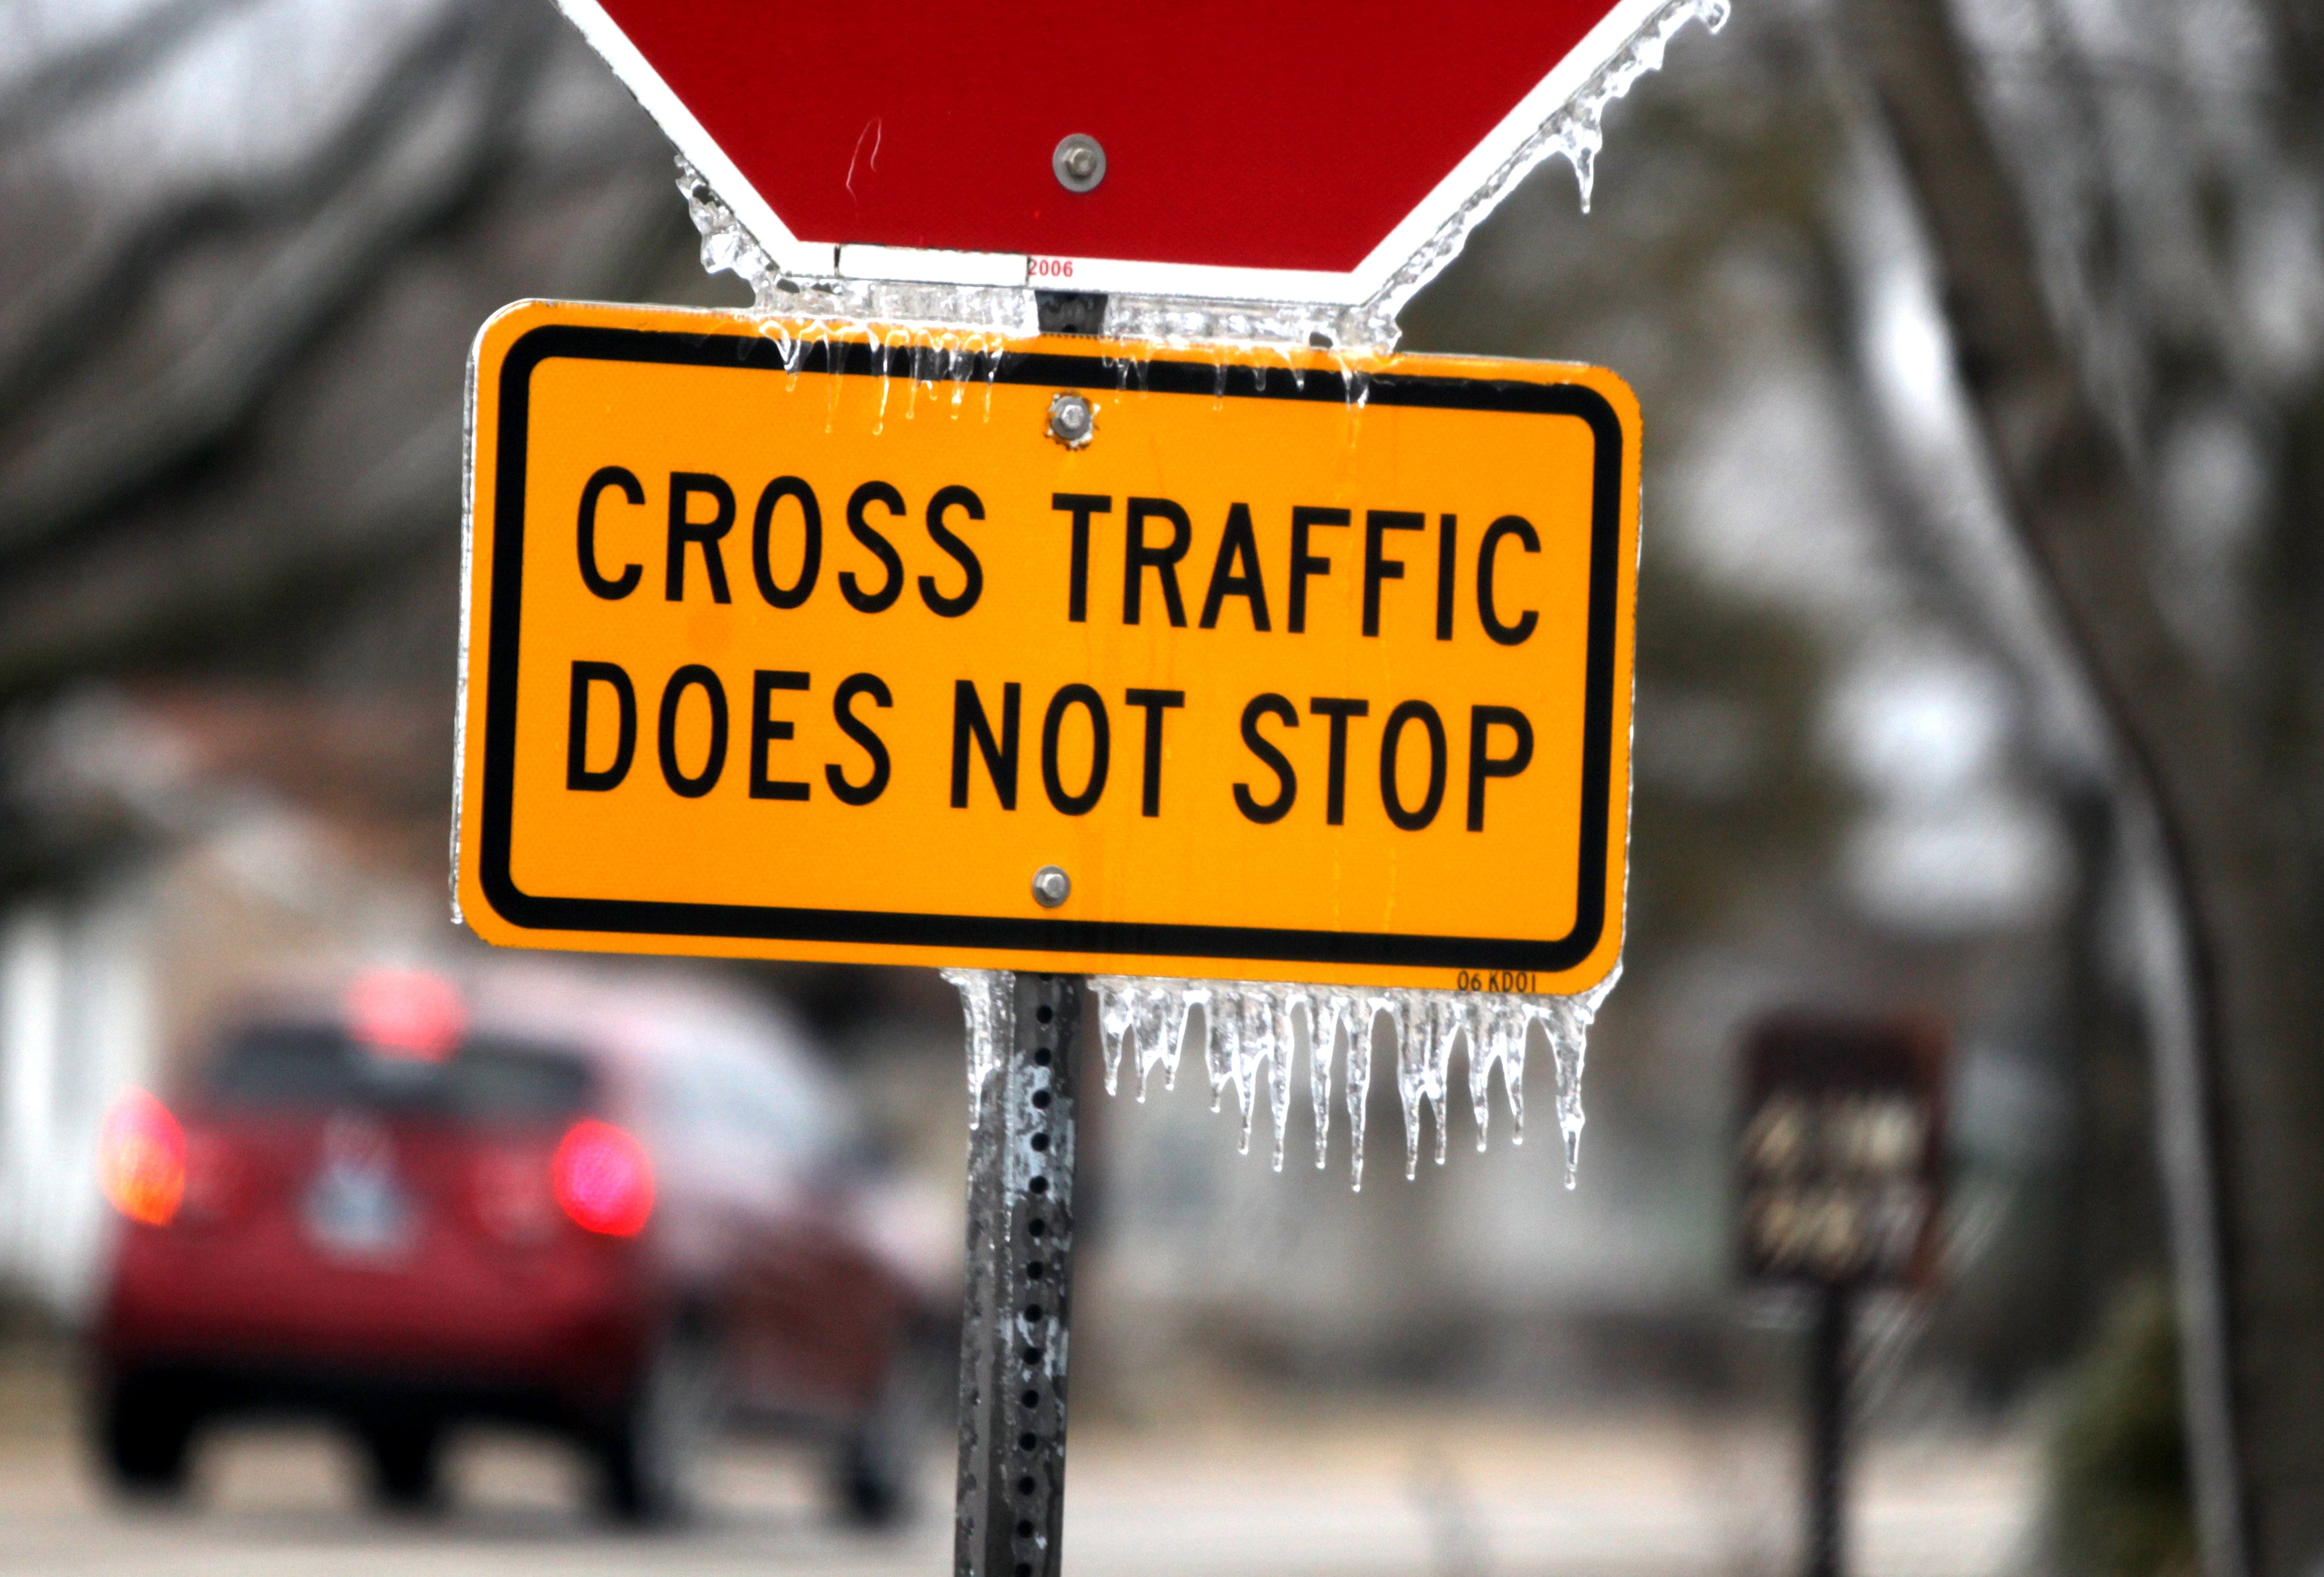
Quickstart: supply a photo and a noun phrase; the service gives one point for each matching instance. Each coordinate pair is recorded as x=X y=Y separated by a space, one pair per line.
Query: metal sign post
x=1018 y=1290
x=1841 y=1157
x=1828 y=1429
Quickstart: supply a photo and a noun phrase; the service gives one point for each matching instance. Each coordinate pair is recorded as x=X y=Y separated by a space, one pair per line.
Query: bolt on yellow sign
x=1055 y=653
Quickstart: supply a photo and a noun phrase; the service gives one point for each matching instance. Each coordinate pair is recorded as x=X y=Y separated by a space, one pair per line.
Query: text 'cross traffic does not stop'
x=1297 y=667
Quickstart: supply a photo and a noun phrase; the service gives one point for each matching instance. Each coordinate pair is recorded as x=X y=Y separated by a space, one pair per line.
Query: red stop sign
x=1287 y=150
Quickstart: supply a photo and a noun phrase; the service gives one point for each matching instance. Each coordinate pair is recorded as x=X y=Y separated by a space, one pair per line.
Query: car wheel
x=405 y=1457
x=874 y=1469
x=646 y=1459
x=145 y=1431
x=870 y=1492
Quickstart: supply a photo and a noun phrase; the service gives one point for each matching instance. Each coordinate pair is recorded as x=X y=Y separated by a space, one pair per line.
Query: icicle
x=1567 y=1020
x=1508 y=1026
x=1477 y=1023
x=1449 y=1010
x=1572 y=1046
x=1114 y=997
x=1222 y=1042
x=1255 y=1045
x=1424 y=1048
x=1412 y=1037
x=1187 y=995
x=988 y=999
x=1364 y=1020
x=1247 y=1026
x=1280 y=1047
x=1161 y=1019
x=1324 y=1011
x=1476 y=1017
x=1512 y=1031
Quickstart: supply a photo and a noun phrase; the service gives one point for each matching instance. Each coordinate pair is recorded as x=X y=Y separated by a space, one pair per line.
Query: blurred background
x=244 y=247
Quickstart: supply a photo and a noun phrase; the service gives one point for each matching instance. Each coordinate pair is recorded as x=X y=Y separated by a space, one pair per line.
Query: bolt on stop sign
x=1277 y=150
x=1056 y=653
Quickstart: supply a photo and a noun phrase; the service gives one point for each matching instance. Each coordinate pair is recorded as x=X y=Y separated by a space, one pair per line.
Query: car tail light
x=140 y=1159
x=602 y=1179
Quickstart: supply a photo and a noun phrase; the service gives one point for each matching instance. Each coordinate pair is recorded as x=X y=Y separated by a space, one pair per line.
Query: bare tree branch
x=44 y=331
x=51 y=91
x=219 y=559
x=396 y=172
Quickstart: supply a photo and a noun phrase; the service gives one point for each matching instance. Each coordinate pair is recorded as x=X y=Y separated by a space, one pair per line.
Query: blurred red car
x=617 y=1212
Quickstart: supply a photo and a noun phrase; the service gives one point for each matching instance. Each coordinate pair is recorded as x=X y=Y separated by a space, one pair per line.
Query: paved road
x=1282 y=1493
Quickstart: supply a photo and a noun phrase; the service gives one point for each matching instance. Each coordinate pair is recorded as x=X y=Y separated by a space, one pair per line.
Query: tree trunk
x=2235 y=861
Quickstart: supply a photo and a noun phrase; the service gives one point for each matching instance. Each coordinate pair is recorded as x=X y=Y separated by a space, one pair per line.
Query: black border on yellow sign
x=1048 y=934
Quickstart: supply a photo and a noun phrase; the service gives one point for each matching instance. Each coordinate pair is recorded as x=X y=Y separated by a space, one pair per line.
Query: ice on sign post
x=1052 y=654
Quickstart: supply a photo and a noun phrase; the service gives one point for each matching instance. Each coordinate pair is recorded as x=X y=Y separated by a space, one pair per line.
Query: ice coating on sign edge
x=1575 y=132
x=1250 y=1024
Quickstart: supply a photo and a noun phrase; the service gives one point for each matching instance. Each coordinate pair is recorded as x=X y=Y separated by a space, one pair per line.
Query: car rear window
x=485 y=1081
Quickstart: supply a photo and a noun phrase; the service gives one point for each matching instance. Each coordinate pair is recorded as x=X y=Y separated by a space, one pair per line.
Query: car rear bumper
x=566 y=1337
x=212 y=1386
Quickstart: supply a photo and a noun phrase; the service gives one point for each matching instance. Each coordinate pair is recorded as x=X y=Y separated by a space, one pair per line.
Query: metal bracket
x=1070 y=311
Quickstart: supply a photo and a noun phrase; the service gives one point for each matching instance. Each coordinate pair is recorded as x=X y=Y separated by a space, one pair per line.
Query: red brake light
x=140 y=1159
x=602 y=1179
x=405 y=1012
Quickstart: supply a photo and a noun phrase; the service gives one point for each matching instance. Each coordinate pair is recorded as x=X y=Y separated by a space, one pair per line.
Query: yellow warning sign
x=1055 y=653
